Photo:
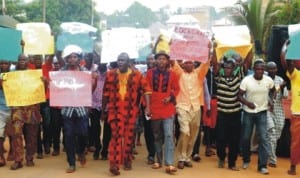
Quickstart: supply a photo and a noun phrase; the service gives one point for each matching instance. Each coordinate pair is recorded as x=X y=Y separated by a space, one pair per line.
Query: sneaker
x=264 y=171
x=196 y=158
x=245 y=165
x=70 y=169
x=221 y=164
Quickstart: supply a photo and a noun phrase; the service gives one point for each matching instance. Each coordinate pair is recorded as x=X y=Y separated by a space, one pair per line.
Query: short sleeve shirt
x=257 y=92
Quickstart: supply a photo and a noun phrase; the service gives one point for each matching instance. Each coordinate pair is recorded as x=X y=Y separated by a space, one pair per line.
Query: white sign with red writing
x=70 y=88
x=189 y=44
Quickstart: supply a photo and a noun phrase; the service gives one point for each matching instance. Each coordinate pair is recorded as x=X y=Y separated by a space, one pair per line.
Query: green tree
x=14 y=8
x=140 y=15
x=258 y=16
x=136 y=15
x=58 y=11
x=289 y=12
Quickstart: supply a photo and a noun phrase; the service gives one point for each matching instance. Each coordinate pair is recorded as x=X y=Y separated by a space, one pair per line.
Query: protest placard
x=23 y=88
x=37 y=37
x=293 y=52
x=70 y=88
x=10 y=44
x=83 y=40
x=189 y=44
x=236 y=38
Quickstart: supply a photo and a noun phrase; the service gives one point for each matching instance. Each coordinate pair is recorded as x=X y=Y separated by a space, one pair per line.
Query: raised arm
x=215 y=63
x=283 y=53
x=248 y=61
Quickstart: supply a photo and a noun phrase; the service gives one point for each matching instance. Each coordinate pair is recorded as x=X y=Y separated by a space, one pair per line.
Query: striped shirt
x=68 y=111
x=227 y=92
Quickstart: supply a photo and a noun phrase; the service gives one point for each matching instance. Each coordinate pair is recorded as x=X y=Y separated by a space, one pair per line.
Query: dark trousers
x=75 y=136
x=44 y=140
x=149 y=138
x=105 y=139
x=56 y=127
x=95 y=130
x=228 y=135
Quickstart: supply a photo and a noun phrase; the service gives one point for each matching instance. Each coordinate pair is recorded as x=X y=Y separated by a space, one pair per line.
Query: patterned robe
x=25 y=118
x=122 y=114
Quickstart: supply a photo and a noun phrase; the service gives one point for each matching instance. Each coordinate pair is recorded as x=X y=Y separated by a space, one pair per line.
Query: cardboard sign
x=293 y=52
x=10 y=44
x=83 y=40
x=37 y=37
x=235 y=38
x=70 y=88
x=189 y=44
x=23 y=88
x=135 y=42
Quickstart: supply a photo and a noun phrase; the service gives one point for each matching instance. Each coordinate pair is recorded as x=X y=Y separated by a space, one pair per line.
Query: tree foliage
x=57 y=11
x=136 y=15
x=289 y=12
x=14 y=8
x=258 y=17
x=261 y=17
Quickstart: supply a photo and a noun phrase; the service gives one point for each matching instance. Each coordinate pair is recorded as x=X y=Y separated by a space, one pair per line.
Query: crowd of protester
x=172 y=103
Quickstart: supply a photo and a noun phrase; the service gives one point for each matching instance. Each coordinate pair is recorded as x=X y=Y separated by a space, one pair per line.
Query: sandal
x=171 y=169
x=114 y=170
x=156 y=166
x=291 y=172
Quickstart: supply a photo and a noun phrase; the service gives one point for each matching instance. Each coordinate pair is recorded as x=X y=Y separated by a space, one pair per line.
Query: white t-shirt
x=257 y=92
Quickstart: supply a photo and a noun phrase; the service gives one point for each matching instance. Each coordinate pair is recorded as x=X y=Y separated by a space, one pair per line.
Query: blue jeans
x=260 y=121
x=163 y=132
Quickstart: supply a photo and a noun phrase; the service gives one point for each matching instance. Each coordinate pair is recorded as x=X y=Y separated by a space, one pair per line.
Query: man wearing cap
x=75 y=119
x=165 y=87
x=228 y=124
x=120 y=100
x=188 y=104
